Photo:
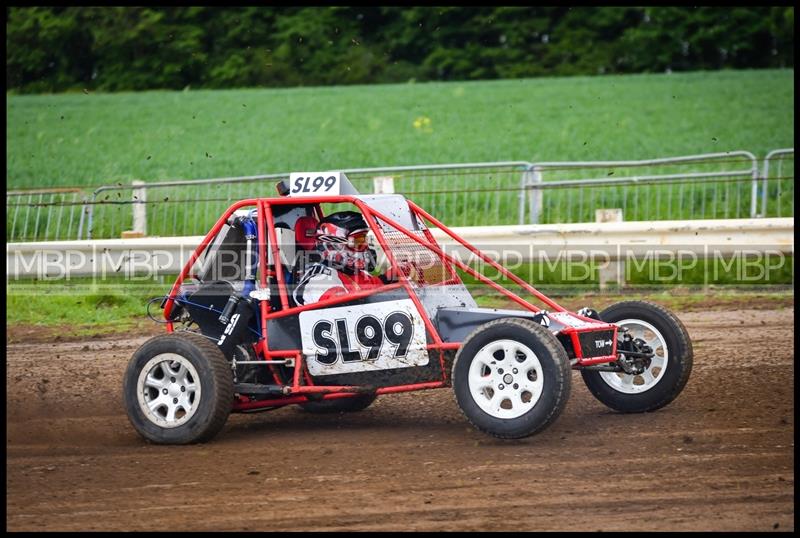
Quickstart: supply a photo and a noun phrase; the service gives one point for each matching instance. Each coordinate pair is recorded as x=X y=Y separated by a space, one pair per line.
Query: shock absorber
x=233 y=300
x=251 y=256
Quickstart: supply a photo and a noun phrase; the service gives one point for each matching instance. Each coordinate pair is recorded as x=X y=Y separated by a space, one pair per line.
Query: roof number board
x=315 y=183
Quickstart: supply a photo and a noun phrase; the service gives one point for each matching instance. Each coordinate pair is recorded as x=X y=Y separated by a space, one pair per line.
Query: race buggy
x=238 y=342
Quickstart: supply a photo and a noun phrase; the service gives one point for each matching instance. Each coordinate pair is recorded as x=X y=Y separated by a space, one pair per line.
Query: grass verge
x=38 y=310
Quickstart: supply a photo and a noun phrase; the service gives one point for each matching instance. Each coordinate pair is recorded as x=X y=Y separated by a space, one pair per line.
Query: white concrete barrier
x=640 y=237
x=612 y=240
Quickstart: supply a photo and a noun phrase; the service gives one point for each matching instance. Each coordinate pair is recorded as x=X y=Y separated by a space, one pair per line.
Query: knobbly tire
x=178 y=389
x=667 y=374
x=511 y=378
x=340 y=405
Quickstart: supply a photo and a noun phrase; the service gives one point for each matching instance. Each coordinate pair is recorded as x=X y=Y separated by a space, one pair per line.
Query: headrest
x=305 y=232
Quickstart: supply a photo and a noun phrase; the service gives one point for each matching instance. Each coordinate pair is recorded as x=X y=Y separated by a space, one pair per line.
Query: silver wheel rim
x=505 y=379
x=168 y=390
x=636 y=384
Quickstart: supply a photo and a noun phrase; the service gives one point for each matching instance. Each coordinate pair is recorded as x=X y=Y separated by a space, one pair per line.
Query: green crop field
x=88 y=139
x=95 y=139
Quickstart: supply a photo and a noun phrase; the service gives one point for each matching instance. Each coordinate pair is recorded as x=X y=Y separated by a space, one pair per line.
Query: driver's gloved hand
x=390 y=276
x=393 y=275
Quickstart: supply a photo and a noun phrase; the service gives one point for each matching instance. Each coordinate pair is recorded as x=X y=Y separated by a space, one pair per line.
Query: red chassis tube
x=572 y=332
x=296 y=392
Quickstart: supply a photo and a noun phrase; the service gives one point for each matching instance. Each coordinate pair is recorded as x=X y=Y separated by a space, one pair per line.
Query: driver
x=346 y=259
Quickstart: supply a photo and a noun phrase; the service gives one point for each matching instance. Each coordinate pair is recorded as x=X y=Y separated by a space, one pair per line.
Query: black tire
x=678 y=364
x=209 y=410
x=351 y=404
x=553 y=386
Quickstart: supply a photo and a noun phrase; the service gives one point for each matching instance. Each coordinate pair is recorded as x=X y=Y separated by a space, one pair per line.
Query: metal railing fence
x=777 y=184
x=45 y=214
x=488 y=191
x=717 y=185
x=714 y=185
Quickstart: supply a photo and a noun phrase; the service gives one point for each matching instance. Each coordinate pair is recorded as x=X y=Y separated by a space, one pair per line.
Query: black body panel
x=205 y=304
x=596 y=344
x=455 y=324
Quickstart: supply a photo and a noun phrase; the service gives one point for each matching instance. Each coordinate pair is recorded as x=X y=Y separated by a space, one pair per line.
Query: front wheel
x=511 y=378
x=665 y=374
x=178 y=389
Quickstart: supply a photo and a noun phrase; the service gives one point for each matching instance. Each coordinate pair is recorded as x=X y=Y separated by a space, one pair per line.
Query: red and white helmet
x=342 y=241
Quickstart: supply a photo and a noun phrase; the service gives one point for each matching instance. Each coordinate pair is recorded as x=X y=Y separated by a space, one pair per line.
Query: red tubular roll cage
x=295 y=393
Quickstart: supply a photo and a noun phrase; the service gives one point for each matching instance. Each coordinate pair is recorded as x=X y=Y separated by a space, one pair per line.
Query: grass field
x=95 y=139
x=85 y=307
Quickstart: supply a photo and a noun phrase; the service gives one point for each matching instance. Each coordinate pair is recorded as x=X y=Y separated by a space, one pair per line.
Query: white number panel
x=376 y=336
x=315 y=184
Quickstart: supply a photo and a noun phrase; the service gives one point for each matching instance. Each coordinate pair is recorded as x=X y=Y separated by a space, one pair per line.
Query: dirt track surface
x=720 y=457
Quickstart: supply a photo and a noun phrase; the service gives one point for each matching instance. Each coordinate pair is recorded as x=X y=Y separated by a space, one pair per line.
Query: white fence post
x=615 y=270
x=383 y=184
x=535 y=197
x=139 y=210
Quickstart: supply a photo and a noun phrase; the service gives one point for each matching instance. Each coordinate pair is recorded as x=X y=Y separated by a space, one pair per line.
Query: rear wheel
x=178 y=389
x=511 y=378
x=664 y=375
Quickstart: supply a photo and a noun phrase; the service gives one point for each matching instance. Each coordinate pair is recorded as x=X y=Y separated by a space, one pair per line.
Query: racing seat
x=283 y=234
x=305 y=234
x=304 y=254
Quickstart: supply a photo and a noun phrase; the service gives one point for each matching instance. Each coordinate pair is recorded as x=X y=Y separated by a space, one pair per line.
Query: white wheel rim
x=168 y=390
x=505 y=379
x=636 y=384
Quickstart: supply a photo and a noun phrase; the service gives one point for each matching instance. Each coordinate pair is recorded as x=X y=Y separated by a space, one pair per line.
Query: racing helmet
x=342 y=241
